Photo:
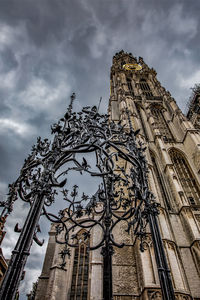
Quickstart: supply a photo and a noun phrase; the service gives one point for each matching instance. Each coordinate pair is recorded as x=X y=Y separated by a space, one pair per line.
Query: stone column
x=96 y=267
x=146 y=120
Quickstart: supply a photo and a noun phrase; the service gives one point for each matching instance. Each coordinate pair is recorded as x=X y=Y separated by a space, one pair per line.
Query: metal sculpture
x=45 y=173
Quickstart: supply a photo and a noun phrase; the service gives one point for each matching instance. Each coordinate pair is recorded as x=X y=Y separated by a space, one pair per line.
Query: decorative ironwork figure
x=44 y=175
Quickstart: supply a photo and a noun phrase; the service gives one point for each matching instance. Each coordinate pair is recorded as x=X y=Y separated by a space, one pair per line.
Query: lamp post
x=45 y=173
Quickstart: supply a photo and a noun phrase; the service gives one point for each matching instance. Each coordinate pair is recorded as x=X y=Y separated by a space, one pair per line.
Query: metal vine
x=46 y=169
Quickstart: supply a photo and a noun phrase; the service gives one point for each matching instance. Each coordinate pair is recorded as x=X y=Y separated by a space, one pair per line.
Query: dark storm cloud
x=8 y=56
x=48 y=49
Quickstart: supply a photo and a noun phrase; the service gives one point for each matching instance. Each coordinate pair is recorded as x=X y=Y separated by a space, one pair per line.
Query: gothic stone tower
x=194 y=107
x=173 y=154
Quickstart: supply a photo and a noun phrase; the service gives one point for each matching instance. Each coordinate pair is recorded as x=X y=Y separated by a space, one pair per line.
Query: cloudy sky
x=50 y=48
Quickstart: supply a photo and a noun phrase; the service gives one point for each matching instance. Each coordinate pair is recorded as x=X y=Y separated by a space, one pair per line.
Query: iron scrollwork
x=45 y=172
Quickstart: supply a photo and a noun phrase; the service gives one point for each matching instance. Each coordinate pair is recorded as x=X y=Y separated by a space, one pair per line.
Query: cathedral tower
x=173 y=154
x=194 y=107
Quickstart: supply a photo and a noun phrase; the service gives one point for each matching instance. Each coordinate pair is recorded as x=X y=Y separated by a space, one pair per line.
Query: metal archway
x=39 y=180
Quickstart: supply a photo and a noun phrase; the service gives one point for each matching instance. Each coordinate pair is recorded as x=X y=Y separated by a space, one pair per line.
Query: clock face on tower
x=132 y=67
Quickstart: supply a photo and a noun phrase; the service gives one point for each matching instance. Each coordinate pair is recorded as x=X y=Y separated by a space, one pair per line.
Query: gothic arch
x=176 y=149
x=196 y=255
x=149 y=256
x=185 y=176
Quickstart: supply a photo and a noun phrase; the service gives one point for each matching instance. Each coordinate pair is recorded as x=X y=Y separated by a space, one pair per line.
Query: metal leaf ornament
x=46 y=169
x=85 y=132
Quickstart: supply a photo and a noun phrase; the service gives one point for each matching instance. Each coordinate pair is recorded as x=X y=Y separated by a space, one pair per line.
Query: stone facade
x=173 y=154
x=194 y=107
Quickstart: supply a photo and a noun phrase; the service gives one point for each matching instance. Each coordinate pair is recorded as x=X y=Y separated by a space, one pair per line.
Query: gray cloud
x=48 y=49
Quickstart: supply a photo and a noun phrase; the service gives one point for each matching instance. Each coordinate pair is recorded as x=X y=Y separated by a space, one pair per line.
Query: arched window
x=145 y=88
x=79 y=286
x=161 y=124
x=185 y=176
x=129 y=84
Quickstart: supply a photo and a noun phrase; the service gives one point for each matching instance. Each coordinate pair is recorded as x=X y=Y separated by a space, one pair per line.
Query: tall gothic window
x=161 y=124
x=186 y=178
x=145 y=88
x=79 y=286
x=129 y=84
